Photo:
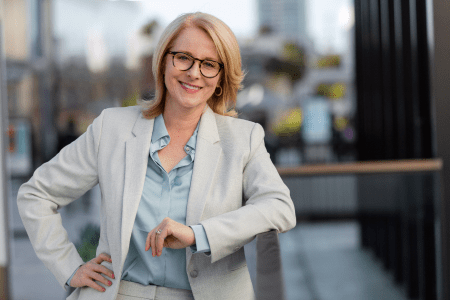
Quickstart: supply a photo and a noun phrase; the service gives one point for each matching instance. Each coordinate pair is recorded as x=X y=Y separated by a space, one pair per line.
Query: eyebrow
x=207 y=58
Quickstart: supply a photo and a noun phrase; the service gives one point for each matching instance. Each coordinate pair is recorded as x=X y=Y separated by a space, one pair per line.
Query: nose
x=194 y=71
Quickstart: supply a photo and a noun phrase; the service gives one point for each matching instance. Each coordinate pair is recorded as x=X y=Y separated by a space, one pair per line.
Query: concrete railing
x=269 y=272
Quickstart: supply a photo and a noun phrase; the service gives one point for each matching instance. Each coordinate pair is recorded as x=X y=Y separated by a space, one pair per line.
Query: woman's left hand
x=172 y=235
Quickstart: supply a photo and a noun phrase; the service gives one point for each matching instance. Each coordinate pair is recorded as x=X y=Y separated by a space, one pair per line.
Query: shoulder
x=233 y=123
x=122 y=114
x=116 y=122
x=239 y=131
x=120 y=117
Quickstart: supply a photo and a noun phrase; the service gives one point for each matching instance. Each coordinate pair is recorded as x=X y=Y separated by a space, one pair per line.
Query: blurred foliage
x=131 y=100
x=288 y=123
x=291 y=63
x=294 y=54
x=149 y=28
x=340 y=123
x=277 y=66
x=87 y=246
x=265 y=30
x=329 y=61
x=333 y=91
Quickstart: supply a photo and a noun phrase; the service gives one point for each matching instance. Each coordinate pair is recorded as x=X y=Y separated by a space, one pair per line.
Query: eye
x=183 y=57
x=209 y=64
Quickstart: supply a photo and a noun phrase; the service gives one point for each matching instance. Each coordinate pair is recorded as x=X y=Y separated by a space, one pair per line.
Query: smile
x=189 y=87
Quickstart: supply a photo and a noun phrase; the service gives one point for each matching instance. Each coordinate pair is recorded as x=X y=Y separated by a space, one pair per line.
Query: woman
x=174 y=177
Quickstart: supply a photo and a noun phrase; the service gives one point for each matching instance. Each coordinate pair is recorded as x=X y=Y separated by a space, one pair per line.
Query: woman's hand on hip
x=91 y=271
x=169 y=234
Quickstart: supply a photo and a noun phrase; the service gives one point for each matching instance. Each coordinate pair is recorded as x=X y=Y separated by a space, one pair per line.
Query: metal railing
x=398 y=205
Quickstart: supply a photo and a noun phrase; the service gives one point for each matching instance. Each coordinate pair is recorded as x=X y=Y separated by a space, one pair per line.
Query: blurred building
x=331 y=78
x=66 y=61
x=286 y=79
x=28 y=49
x=287 y=17
x=98 y=63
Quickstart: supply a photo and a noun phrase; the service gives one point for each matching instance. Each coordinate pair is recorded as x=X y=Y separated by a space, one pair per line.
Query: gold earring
x=218 y=94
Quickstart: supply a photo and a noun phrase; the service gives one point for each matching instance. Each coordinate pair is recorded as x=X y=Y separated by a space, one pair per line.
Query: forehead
x=196 y=42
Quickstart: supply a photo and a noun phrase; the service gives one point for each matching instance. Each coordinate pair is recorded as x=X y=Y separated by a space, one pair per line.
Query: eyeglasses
x=184 y=62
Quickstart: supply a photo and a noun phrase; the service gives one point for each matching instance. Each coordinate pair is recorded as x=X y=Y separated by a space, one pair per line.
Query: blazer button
x=194 y=273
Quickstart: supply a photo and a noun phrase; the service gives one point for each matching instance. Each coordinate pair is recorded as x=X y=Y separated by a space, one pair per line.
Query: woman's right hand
x=91 y=271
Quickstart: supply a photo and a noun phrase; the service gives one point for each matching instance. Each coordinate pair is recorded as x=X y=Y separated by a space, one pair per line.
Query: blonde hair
x=228 y=50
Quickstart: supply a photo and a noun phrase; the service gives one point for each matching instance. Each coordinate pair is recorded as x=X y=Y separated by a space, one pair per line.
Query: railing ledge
x=368 y=167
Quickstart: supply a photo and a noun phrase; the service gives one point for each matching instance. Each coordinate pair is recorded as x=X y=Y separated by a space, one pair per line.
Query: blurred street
x=324 y=261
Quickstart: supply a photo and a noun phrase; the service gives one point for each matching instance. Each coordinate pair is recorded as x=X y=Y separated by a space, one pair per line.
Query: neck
x=181 y=121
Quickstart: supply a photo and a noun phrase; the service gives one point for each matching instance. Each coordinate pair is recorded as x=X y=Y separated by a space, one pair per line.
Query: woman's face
x=190 y=89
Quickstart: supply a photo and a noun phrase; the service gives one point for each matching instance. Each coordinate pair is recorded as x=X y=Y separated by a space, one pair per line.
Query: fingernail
x=109 y=283
x=104 y=289
x=113 y=276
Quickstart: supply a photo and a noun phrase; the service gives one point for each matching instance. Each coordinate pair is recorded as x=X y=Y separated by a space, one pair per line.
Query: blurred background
x=352 y=96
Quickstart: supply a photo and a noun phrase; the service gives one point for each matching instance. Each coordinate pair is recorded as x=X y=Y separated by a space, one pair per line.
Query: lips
x=190 y=88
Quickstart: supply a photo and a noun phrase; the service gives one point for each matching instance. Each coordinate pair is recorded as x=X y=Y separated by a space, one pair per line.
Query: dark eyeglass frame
x=173 y=53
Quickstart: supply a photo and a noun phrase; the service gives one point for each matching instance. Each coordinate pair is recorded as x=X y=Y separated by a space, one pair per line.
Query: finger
x=96 y=276
x=104 y=270
x=153 y=242
x=148 y=240
x=95 y=286
x=105 y=257
x=160 y=241
x=102 y=257
x=156 y=237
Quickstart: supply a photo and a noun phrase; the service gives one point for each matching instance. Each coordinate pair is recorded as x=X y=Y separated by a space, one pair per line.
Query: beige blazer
x=236 y=193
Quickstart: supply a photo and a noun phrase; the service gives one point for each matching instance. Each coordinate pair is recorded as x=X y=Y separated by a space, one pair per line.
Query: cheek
x=168 y=77
x=214 y=82
x=218 y=80
x=167 y=72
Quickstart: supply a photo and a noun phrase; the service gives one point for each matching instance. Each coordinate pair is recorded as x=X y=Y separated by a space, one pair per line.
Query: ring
x=158 y=231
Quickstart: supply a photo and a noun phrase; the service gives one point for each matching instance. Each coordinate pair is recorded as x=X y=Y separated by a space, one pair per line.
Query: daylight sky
x=94 y=23
x=240 y=15
x=326 y=19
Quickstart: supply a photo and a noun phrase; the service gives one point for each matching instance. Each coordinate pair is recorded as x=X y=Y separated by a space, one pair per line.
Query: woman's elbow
x=291 y=219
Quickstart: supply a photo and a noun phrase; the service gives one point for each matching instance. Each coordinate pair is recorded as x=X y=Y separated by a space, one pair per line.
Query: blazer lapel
x=137 y=152
x=207 y=154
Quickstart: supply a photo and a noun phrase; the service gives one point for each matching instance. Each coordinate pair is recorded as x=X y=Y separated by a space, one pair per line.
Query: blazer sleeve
x=56 y=183
x=268 y=205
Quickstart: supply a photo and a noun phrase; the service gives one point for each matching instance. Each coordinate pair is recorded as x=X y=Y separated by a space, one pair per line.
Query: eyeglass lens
x=184 y=62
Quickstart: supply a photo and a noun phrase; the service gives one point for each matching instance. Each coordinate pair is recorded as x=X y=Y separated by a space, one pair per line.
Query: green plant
x=87 y=245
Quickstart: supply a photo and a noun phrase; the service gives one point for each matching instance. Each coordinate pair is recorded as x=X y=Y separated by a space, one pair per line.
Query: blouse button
x=187 y=149
x=194 y=273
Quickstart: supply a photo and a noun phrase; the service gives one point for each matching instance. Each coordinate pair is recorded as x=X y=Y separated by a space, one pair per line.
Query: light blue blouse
x=164 y=195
